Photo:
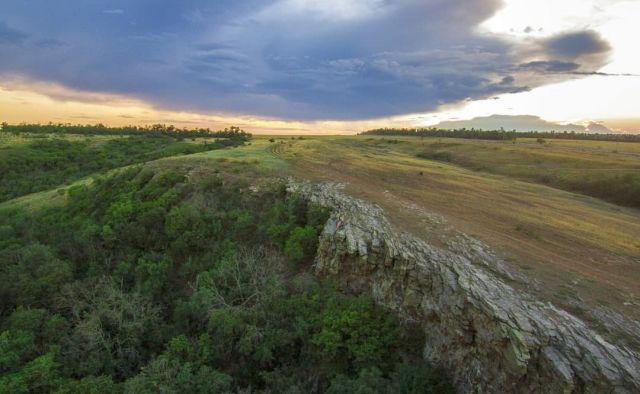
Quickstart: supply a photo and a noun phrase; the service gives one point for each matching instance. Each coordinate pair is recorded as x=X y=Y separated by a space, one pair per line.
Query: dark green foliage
x=16 y=347
x=294 y=227
x=169 y=375
x=437 y=155
x=44 y=163
x=479 y=134
x=90 y=385
x=407 y=378
x=301 y=244
x=114 y=332
x=353 y=334
x=142 y=283
x=458 y=133
x=156 y=130
x=30 y=274
x=623 y=189
x=419 y=378
x=38 y=376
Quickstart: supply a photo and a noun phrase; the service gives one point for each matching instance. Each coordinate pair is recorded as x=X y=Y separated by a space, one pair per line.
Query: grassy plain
x=606 y=170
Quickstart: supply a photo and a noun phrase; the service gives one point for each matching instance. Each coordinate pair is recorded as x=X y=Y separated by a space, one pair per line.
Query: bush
x=90 y=385
x=31 y=275
x=436 y=155
x=301 y=244
x=114 y=332
x=354 y=333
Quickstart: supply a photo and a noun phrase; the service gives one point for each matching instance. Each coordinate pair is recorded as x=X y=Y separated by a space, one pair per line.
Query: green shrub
x=354 y=333
x=301 y=244
x=90 y=385
x=31 y=275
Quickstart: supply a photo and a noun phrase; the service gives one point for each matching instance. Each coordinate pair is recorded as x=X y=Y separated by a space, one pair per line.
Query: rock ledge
x=491 y=338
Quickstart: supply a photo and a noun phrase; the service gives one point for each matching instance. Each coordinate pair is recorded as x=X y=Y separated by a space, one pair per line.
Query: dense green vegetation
x=146 y=282
x=479 y=134
x=156 y=130
x=31 y=162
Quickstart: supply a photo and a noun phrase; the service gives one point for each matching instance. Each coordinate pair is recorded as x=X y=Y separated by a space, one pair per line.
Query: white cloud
x=116 y=11
x=328 y=10
x=523 y=18
x=578 y=100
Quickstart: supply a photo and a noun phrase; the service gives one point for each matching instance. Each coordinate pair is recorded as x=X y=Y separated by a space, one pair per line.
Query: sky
x=332 y=66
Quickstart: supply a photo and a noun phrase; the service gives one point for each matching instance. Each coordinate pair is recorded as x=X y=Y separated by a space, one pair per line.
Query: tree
x=168 y=375
x=354 y=333
x=114 y=332
x=31 y=275
x=301 y=244
x=38 y=376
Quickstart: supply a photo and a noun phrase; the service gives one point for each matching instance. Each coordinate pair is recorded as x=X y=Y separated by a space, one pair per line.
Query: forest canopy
x=147 y=281
x=39 y=157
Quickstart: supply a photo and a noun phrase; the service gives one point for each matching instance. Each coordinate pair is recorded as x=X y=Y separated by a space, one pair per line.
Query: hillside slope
x=530 y=275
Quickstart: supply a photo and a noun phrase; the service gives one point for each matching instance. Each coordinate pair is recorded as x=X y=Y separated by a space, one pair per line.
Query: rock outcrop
x=488 y=336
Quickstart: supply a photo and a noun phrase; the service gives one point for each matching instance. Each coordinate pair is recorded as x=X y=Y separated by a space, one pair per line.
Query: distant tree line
x=501 y=134
x=232 y=132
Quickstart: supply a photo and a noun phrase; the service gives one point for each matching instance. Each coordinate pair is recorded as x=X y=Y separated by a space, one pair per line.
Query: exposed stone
x=491 y=338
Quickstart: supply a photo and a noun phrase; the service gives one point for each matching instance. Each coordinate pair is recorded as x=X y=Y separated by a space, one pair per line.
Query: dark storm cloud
x=552 y=66
x=576 y=44
x=296 y=59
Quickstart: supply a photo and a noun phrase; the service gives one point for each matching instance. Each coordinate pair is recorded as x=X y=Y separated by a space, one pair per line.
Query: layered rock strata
x=488 y=336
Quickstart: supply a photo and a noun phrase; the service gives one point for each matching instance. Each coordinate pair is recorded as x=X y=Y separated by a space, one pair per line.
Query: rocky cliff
x=490 y=337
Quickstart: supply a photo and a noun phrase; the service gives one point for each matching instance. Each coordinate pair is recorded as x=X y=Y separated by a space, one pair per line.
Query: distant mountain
x=521 y=123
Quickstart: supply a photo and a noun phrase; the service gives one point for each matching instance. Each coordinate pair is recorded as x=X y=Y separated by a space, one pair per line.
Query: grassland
x=606 y=170
x=580 y=250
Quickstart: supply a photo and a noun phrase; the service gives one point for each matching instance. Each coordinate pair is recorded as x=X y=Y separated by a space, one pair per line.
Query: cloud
x=10 y=36
x=551 y=66
x=560 y=57
x=595 y=127
x=521 y=123
x=296 y=59
x=575 y=44
x=116 y=11
x=50 y=43
x=326 y=10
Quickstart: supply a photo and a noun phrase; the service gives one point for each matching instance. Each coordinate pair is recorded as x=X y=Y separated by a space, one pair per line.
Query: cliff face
x=488 y=336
